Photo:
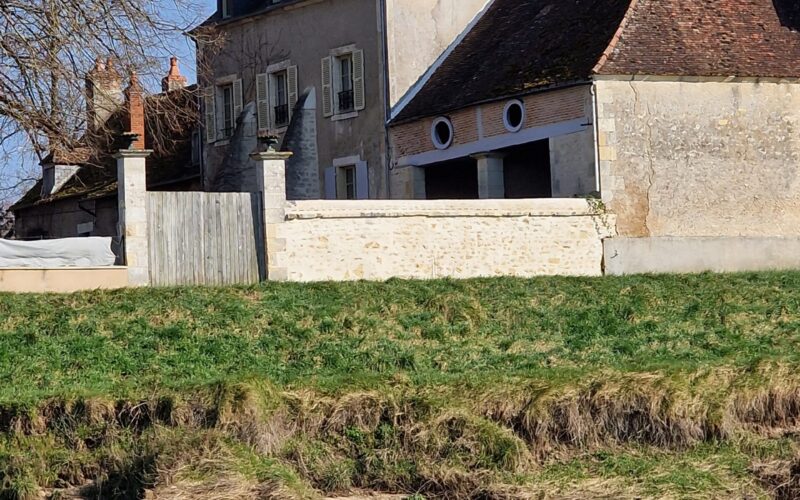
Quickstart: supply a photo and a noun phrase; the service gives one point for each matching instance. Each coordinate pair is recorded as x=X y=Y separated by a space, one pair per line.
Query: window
x=276 y=96
x=345 y=96
x=343 y=89
x=281 y=96
x=228 y=121
x=347 y=179
x=514 y=116
x=196 y=147
x=226 y=9
x=442 y=133
x=222 y=105
x=346 y=188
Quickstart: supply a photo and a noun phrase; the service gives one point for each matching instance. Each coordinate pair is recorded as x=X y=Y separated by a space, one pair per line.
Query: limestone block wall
x=700 y=158
x=378 y=240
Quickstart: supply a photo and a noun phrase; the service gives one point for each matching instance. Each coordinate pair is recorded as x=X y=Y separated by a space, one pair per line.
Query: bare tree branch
x=46 y=50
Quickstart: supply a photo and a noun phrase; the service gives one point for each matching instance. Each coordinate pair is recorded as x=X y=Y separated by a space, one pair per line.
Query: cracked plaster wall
x=693 y=159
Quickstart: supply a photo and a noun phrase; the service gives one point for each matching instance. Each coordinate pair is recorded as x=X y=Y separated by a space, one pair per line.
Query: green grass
x=342 y=336
x=418 y=387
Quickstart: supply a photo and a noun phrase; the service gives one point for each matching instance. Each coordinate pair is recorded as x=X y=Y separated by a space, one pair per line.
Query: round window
x=442 y=133
x=514 y=116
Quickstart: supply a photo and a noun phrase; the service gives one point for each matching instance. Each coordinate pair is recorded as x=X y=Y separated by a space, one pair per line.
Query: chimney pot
x=104 y=93
x=174 y=80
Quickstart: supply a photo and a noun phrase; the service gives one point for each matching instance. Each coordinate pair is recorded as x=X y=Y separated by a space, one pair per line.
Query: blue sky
x=14 y=161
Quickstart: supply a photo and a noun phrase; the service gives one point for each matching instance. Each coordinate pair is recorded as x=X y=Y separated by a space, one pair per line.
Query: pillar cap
x=133 y=153
x=271 y=155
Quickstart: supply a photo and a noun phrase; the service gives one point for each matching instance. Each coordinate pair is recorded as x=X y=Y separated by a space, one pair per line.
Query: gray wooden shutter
x=291 y=84
x=330 y=183
x=362 y=181
x=359 y=98
x=262 y=103
x=327 y=87
x=238 y=101
x=209 y=103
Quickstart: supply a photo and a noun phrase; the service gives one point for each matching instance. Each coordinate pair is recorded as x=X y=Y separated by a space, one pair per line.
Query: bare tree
x=47 y=48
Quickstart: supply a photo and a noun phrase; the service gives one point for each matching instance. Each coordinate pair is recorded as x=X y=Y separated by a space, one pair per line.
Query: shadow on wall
x=788 y=13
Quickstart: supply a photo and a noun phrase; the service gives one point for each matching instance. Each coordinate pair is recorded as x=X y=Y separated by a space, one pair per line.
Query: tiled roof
x=744 y=38
x=520 y=46
x=97 y=177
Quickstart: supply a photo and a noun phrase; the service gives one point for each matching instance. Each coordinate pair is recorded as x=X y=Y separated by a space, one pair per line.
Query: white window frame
x=506 y=123
x=272 y=71
x=336 y=55
x=336 y=179
x=225 y=133
x=435 y=137
x=219 y=85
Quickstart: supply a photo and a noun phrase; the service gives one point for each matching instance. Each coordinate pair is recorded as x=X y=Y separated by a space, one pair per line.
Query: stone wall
x=378 y=240
x=700 y=159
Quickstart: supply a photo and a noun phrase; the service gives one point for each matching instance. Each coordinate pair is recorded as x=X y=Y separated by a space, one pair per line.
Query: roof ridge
x=612 y=44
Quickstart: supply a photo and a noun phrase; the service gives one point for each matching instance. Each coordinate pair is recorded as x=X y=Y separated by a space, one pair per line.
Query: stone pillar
x=271 y=179
x=408 y=183
x=132 y=204
x=491 y=184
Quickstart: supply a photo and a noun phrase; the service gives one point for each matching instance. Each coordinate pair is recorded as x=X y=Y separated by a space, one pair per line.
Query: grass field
x=663 y=387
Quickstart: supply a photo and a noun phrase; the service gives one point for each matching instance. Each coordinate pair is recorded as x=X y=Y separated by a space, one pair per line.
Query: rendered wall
x=303 y=33
x=64 y=280
x=700 y=159
x=418 y=32
x=322 y=241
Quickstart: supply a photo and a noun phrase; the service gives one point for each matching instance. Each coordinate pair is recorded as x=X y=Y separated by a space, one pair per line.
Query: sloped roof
x=520 y=46
x=171 y=161
x=743 y=38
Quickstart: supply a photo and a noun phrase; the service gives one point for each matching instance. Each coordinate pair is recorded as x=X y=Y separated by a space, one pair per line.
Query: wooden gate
x=205 y=238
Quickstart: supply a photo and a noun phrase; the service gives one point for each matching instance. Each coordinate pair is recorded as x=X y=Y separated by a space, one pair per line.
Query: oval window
x=442 y=133
x=514 y=116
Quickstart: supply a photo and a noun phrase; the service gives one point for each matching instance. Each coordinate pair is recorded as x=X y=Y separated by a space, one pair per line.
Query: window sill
x=223 y=142
x=344 y=116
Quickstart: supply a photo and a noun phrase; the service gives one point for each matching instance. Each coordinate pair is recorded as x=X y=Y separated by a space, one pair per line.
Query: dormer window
x=226 y=8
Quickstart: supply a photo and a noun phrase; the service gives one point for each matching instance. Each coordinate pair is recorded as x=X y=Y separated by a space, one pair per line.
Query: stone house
x=77 y=194
x=323 y=76
x=682 y=116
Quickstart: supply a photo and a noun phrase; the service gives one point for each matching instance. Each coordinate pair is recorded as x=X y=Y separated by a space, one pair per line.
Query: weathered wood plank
x=205 y=238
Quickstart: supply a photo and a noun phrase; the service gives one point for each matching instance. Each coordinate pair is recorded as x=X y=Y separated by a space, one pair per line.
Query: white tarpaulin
x=50 y=254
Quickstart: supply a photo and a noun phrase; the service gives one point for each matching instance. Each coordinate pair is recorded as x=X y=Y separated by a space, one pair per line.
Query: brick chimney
x=174 y=80
x=134 y=122
x=104 y=93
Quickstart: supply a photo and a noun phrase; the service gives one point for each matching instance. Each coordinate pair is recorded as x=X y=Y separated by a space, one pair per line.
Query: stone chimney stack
x=174 y=80
x=104 y=93
x=134 y=99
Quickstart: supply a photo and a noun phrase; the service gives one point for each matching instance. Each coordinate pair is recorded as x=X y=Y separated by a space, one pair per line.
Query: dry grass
x=252 y=442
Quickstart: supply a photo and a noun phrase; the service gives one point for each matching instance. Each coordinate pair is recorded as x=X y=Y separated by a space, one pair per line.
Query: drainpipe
x=386 y=97
x=595 y=114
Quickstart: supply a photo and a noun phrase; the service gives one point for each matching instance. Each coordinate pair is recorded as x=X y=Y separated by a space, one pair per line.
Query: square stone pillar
x=491 y=183
x=408 y=183
x=271 y=179
x=133 y=221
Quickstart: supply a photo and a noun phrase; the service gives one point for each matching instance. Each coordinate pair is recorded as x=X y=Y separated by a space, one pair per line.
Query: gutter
x=595 y=114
